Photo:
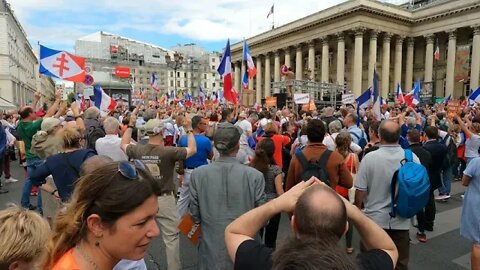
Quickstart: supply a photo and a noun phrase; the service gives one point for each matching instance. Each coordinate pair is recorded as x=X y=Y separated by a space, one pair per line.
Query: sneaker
x=463 y=196
x=3 y=191
x=11 y=180
x=421 y=237
x=32 y=207
x=442 y=197
x=429 y=228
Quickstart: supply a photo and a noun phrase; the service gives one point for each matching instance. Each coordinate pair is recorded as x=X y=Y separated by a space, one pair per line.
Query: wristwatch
x=132 y=127
x=189 y=131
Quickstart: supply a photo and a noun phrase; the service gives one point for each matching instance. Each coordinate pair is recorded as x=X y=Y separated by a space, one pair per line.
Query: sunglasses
x=129 y=170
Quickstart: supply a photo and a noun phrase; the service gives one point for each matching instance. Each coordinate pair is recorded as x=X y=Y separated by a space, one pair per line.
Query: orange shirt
x=66 y=262
x=280 y=141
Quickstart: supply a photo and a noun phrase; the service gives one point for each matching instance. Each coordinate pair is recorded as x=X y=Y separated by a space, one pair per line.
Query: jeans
x=447 y=177
x=426 y=216
x=32 y=164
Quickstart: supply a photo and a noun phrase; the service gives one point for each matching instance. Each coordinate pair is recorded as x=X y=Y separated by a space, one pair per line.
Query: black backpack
x=317 y=169
x=451 y=156
x=93 y=134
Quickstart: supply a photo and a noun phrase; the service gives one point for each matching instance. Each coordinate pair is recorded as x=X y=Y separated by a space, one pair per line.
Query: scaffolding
x=324 y=94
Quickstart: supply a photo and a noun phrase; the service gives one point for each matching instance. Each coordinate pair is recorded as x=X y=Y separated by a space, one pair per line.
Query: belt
x=190 y=168
x=166 y=193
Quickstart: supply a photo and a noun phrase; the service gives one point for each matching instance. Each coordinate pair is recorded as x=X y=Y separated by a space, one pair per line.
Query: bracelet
x=132 y=127
x=53 y=192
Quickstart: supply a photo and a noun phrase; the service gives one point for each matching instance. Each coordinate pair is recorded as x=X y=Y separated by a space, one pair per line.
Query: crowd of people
x=122 y=178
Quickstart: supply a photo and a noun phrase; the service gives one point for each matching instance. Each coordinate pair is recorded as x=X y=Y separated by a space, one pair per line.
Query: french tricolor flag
x=103 y=101
x=400 y=97
x=225 y=70
x=413 y=98
x=474 y=97
x=251 y=69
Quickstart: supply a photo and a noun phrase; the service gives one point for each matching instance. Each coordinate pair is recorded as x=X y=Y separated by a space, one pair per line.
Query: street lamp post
x=175 y=64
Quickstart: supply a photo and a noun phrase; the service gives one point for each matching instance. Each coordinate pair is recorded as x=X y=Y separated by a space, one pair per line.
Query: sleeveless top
x=66 y=262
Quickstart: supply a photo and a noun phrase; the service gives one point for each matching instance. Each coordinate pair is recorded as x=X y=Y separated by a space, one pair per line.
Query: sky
x=208 y=23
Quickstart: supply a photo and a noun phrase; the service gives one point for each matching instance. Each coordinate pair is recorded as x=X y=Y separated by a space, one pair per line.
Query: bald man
x=373 y=188
x=319 y=214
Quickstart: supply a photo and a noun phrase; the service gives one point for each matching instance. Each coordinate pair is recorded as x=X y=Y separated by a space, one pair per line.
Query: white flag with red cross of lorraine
x=62 y=65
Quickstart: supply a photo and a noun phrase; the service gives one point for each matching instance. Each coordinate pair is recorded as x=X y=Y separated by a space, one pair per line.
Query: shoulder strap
x=408 y=155
x=355 y=134
x=324 y=158
x=393 y=190
x=303 y=160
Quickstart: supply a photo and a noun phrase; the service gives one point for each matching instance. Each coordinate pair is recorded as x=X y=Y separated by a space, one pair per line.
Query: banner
x=426 y=93
x=270 y=102
x=462 y=62
x=348 y=99
x=301 y=98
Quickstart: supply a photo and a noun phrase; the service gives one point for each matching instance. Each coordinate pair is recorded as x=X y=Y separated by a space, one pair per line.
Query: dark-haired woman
x=111 y=217
x=264 y=162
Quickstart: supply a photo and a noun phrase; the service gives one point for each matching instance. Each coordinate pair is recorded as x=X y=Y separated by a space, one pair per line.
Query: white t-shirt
x=246 y=126
x=472 y=145
x=329 y=141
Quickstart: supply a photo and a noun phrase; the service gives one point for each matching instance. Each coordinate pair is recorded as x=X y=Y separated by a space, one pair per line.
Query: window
x=213 y=84
x=171 y=83
x=184 y=74
x=178 y=83
x=171 y=73
x=213 y=67
x=178 y=74
x=213 y=59
x=205 y=76
x=205 y=85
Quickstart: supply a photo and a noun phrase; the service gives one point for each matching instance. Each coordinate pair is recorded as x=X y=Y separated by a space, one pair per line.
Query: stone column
x=429 y=58
x=299 y=63
x=397 y=73
x=452 y=46
x=311 y=59
x=258 y=97
x=268 y=76
x=386 y=65
x=372 y=57
x=475 y=69
x=288 y=61
x=276 y=70
x=238 y=79
x=325 y=56
x=340 y=58
x=357 y=62
x=409 y=67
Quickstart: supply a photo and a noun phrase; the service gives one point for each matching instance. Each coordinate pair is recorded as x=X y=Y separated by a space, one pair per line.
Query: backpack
x=317 y=169
x=410 y=188
x=94 y=133
x=362 y=142
x=451 y=156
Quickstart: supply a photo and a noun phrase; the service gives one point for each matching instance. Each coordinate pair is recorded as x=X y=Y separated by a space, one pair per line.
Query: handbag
x=353 y=171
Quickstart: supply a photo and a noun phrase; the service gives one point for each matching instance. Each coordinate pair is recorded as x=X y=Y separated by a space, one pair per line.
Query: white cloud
x=199 y=20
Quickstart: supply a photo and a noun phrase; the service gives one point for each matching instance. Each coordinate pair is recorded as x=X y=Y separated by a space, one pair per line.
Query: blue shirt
x=404 y=129
x=204 y=147
x=65 y=169
x=357 y=131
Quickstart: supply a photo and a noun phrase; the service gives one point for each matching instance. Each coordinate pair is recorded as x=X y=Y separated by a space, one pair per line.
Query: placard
x=452 y=108
x=271 y=101
x=190 y=229
x=310 y=106
x=301 y=98
x=348 y=99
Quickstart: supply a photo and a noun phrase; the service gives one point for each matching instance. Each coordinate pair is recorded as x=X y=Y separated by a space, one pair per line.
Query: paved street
x=445 y=248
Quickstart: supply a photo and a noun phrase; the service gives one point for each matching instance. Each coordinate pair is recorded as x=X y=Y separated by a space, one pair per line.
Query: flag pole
x=434 y=84
x=273 y=16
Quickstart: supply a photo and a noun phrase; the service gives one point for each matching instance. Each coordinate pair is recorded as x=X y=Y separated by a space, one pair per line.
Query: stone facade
x=344 y=44
x=18 y=63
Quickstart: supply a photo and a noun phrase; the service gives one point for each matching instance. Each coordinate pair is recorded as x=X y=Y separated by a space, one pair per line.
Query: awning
x=6 y=105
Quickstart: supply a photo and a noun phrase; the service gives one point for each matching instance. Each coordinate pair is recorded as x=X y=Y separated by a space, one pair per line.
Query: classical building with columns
x=345 y=43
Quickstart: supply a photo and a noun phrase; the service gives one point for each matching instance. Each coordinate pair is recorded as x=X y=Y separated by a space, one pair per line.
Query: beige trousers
x=168 y=221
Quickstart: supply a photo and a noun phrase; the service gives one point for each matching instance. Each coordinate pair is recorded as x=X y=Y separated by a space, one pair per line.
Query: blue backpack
x=362 y=142
x=410 y=188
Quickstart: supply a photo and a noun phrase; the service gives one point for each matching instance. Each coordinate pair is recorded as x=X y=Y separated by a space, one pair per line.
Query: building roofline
x=390 y=11
x=100 y=33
